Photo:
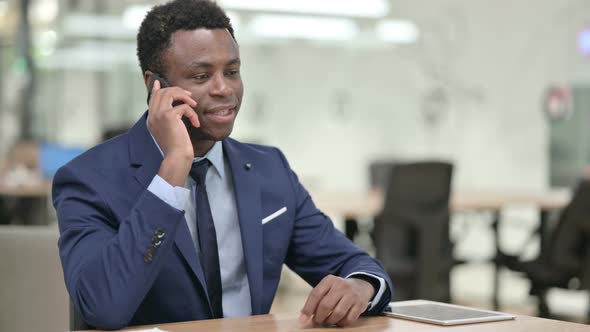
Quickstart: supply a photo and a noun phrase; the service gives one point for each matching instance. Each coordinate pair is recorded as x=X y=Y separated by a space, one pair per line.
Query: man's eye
x=201 y=77
x=233 y=73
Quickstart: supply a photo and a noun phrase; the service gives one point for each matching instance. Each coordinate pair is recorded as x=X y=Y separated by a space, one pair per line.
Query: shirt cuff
x=174 y=196
x=379 y=293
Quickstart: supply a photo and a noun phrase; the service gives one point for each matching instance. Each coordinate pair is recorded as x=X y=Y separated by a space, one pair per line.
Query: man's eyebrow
x=198 y=64
x=235 y=61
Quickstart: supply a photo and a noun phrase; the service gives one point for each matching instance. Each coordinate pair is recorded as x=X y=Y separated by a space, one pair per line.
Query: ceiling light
x=352 y=8
x=44 y=11
x=303 y=27
x=397 y=31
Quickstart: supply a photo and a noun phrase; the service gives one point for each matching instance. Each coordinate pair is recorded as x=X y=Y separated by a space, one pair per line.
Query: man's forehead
x=202 y=36
x=203 y=43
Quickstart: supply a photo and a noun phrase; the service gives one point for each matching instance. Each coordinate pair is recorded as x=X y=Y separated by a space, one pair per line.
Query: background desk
x=30 y=201
x=355 y=205
x=285 y=322
x=37 y=190
x=370 y=203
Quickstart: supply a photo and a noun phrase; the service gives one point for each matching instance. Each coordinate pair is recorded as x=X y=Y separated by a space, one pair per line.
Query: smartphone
x=165 y=84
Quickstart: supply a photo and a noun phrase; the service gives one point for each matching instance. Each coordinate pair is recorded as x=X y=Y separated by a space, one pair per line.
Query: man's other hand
x=337 y=301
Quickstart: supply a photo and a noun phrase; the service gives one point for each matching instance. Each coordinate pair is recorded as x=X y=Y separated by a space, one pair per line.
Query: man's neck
x=201 y=148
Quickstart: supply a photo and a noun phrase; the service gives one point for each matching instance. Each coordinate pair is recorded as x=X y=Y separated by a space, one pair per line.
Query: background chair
x=411 y=234
x=379 y=172
x=33 y=296
x=564 y=261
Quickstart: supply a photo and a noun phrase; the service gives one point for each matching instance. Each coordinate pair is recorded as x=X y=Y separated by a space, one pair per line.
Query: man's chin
x=197 y=134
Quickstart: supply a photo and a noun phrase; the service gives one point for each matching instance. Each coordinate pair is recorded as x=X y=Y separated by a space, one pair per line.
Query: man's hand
x=166 y=125
x=337 y=301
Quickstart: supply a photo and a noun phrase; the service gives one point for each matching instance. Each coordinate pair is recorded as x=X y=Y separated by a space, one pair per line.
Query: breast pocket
x=276 y=229
x=274 y=217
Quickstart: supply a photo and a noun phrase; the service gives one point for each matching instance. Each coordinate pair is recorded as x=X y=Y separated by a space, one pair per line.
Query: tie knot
x=199 y=171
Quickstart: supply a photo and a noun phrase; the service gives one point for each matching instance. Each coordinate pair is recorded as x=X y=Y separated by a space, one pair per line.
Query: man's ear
x=147 y=78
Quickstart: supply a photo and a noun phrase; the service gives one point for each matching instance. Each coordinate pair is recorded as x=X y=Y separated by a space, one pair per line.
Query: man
x=175 y=221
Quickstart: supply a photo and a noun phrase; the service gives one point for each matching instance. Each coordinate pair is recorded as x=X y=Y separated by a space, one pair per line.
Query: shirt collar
x=215 y=156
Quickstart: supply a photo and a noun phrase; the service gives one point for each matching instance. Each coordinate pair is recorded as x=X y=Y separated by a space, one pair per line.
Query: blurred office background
x=499 y=89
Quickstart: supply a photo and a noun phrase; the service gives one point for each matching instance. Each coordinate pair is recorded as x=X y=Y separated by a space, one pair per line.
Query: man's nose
x=220 y=86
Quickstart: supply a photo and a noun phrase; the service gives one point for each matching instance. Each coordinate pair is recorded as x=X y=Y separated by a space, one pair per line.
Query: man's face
x=207 y=63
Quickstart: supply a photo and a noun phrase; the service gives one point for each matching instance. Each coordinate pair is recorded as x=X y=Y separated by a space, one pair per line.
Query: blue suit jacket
x=108 y=220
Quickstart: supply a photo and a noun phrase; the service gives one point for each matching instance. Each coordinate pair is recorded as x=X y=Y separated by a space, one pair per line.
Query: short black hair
x=156 y=30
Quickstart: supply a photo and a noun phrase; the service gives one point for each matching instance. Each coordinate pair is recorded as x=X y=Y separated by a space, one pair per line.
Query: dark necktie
x=207 y=238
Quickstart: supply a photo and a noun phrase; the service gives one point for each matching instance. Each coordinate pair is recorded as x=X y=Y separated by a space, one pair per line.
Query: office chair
x=379 y=172
x=565 y=256
x=411 y=234
x=76 y=320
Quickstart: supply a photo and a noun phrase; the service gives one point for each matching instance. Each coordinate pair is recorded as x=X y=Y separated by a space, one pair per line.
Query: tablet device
x=442 y=313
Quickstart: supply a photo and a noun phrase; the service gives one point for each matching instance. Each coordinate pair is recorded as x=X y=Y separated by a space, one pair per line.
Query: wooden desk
x=370 y=203
x=288 y=322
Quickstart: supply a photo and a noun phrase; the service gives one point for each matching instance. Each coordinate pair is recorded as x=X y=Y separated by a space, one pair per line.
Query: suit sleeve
x=109 y=264
x=317 y=249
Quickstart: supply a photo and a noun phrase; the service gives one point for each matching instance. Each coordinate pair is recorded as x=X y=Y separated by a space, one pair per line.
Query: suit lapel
x=146 y=159
x=247 y=194
x=143 y=152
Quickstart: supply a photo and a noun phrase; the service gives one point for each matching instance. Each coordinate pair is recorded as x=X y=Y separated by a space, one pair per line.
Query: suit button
x=160 y=233
x=156 y=242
